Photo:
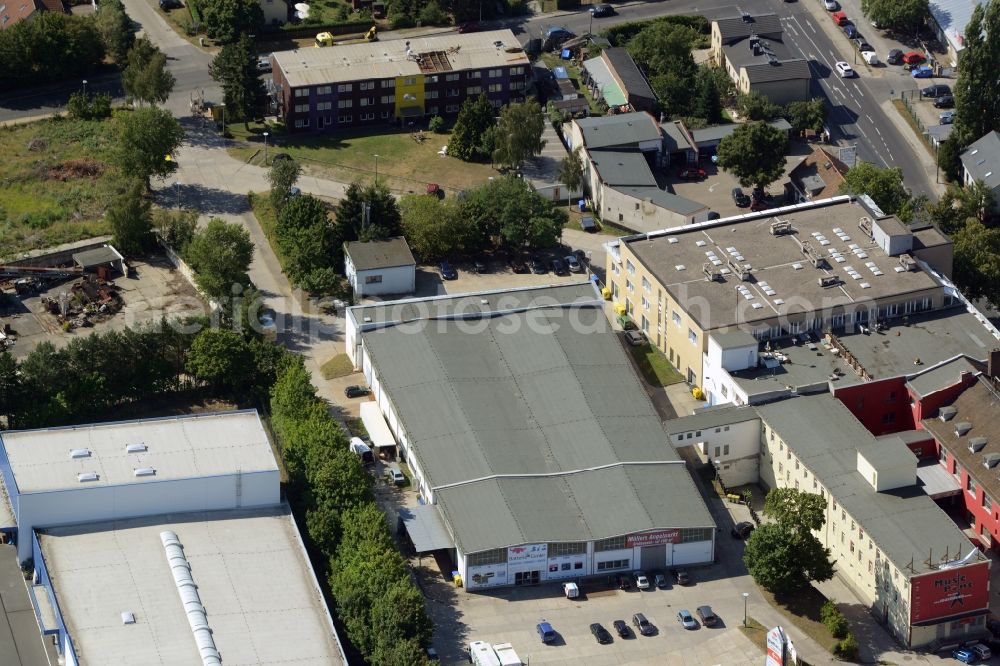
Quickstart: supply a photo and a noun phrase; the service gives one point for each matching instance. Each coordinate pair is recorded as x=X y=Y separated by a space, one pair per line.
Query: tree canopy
x=367 y=212
x=795 y=509
x=755 y=106
x=509 y=212
x=518 y=134
x=220 y=255
x=228 y=20
x=145 y=77
x=884 y=186
x=571 y=172
x=664 y=49
x=282 y=176
x=235 y=67
x=471 y=136
x=130 y=219
x=308 y=241
x=437 y=229
x=115 y=28
x=49 y=47
x=754 y=153
x=146 y=137
x=901 y=15
x=221 y=358
x=807 y=114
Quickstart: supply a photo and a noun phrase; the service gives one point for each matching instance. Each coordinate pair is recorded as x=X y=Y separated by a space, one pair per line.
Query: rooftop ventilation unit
x=947 y=413
x=144 y=471
x=79 y=453
x=815 y=258
x=712 y=274
x=747 y=17
x=828 y=281
x=962 y=428
x=781 y=227
x=907 y=262
x=83 y=477
x=991 y=460
x=977 y=444
x=742 y=271
x=128 y=618
x=865 y=224
x=136 y=448
x=190 y=599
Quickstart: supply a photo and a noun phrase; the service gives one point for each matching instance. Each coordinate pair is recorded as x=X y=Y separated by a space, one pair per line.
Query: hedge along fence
x=301 y=31
x=619 y=35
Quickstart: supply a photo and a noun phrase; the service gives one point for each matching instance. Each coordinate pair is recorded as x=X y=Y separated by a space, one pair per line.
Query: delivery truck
x=481 y=654
x=506 y=655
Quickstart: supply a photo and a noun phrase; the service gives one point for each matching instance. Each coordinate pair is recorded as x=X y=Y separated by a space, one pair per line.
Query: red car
x=692 y=173
x=471 y=26
x=913 y=57
x=840 y=18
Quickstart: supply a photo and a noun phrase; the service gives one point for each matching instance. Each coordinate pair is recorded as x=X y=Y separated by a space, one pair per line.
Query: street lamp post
x=177 y=192
x=85 y=87
x=746 y=595
x=376 y=169
x=265 y=148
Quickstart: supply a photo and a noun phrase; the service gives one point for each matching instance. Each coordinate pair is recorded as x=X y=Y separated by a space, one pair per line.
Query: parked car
x=448 y=272
x=831 y=5
x=643 y=625
x=870 y=57
x=641 y=581
x=712 y=215
x=894 y=57
x=538 y=266
x=913 y=57
x=167 y=5
x=740 y=198
x=862 y=44
x=624 y=583
x=395 y=476
x=691 y=173
x=573 y=264
x=280 y=157
x=597 y=11
x=922 y=72
x=660 y=580
x=588 y=225
x=519 y=265
x=946 y=118
x=840 y=18
x=545 y=632
x=936 y=90
x=707 y=617
x=964 y=655
x=681 y=576
x=742 y=530
x=850 y=30
x=602 y=635
x=844 y=70
x=621 y=629
x=471 y=26
x=636 y=338
x=559 y=267
x=686 y=619
x=263 y=63
x=944 y=102
x=982 y=651
x=480 y=266
x=355 y=391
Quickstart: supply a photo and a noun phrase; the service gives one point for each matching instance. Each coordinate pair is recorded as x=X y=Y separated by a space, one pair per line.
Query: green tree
x=235 y=67
x=754 y=153
x=437 y=229
x=130 y=219
x=807 y=115
x=145 y=138
x=436 y=124
x=977 y=98
x=115 y=28
x=306 y=237
x=707 y=103
x=432 y=14
x=226 y=21
x=282 y=176
x=176 y=227
x=367 y=212
x=220 y=255
x=755 y=106
x=977 y=260
x=468 y=136
x=511 y=213
x=782 y=560
x=222 y=359
x=51 y=46
x=571 y=173
x=145 y=77
x=900 y=15
x=795 y=509
x=11 y=390
x=664 y=49
x=518 y=134
x=949 y=157
x=884 y=186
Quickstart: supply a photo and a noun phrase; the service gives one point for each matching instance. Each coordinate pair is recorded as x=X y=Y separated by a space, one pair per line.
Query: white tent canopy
x=376 y=426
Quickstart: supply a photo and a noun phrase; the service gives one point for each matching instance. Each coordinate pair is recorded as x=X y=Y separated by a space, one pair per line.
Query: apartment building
x=396 y=81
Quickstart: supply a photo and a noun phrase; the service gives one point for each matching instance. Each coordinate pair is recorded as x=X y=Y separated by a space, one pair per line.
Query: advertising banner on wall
x=775 y=647
x=653 y=538
x=949 y=592
x=528 y=557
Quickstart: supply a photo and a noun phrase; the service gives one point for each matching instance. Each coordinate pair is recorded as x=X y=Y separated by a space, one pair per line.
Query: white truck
x=481 y=654
x=505 y=652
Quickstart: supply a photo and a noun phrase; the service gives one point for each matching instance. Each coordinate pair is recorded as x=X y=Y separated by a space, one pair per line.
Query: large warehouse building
x=526 y=428
x=164 y=541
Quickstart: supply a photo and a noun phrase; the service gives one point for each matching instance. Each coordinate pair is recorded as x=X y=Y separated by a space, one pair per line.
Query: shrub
x=436 y=124
x=432 y=14
x=834 y=620
x=847 y=648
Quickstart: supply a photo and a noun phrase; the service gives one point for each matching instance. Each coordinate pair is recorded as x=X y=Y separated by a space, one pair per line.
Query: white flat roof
x=176 y=448
x=263 y=604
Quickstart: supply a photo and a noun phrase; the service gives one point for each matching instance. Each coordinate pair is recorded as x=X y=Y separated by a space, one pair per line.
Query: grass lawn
x=912 y=122
x=260 y=204
x=654 y=365
x=338 y=366
x=54 y=183
x=357 y=428
x=802 y=610
x=756 y=632
x=404 y=164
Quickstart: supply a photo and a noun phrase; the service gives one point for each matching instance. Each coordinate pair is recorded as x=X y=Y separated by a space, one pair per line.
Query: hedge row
x=620 y=34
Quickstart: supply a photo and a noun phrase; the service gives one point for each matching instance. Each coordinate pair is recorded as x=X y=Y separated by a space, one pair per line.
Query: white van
x=481 y=654
x=571 y=590
x=982 y=651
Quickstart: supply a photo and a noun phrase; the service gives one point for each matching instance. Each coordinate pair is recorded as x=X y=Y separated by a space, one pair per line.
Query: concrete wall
x=779 y=92
x=640 y=215
x=382 y=281
x=736 y=447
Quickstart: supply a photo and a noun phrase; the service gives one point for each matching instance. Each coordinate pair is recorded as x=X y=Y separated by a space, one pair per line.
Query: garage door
x=653 y=557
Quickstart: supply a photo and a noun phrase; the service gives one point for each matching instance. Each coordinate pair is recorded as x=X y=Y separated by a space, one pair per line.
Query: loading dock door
x=653 y=557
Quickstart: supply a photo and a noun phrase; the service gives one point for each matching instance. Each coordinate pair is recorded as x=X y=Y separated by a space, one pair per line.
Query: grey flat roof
x=777 y=261
x=621 y=167
x=664 y=199
x=714 y=417
x=386 y=59
x=498 y=300
x=908 y=436
x=21 y=642
x=904 y=523
x=426 y=529
x=735 y=337
x=717 y=133
x=389 y=253
x=735 y=27
x=808 y=370
x=527 y=399
x=178 y=447
x=618 y=130
x=941 y=377
x=97 y=257
x=628 y=72
x=264 y=605
x=982 y=159
x=937 y=482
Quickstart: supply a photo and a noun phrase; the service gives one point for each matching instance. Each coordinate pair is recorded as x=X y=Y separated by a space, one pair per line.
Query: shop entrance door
x=527 y=578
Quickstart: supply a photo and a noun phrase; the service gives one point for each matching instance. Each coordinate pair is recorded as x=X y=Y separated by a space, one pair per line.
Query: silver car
x=687 y=620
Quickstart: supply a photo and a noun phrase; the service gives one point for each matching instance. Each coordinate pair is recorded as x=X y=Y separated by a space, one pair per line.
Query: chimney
x=993 y=364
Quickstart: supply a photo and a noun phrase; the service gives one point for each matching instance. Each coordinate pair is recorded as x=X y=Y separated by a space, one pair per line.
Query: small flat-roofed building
x=118 y=600
x=376 y=268
x=103 y=257
x=524 y=424
x=372 y=83
x=981 y=161
x=113 y=471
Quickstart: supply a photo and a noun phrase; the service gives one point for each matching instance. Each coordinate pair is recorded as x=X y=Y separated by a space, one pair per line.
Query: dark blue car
x=447 y=272
x=545 y=632
x=964 y=655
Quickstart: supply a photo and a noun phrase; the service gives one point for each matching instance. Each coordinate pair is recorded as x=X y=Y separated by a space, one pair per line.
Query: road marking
x=858 y=88
x=808 y=23
x=870 y=119
x=711 y=188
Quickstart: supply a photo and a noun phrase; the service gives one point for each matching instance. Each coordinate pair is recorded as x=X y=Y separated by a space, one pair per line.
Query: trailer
x=482 y=654
x=506 y=655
